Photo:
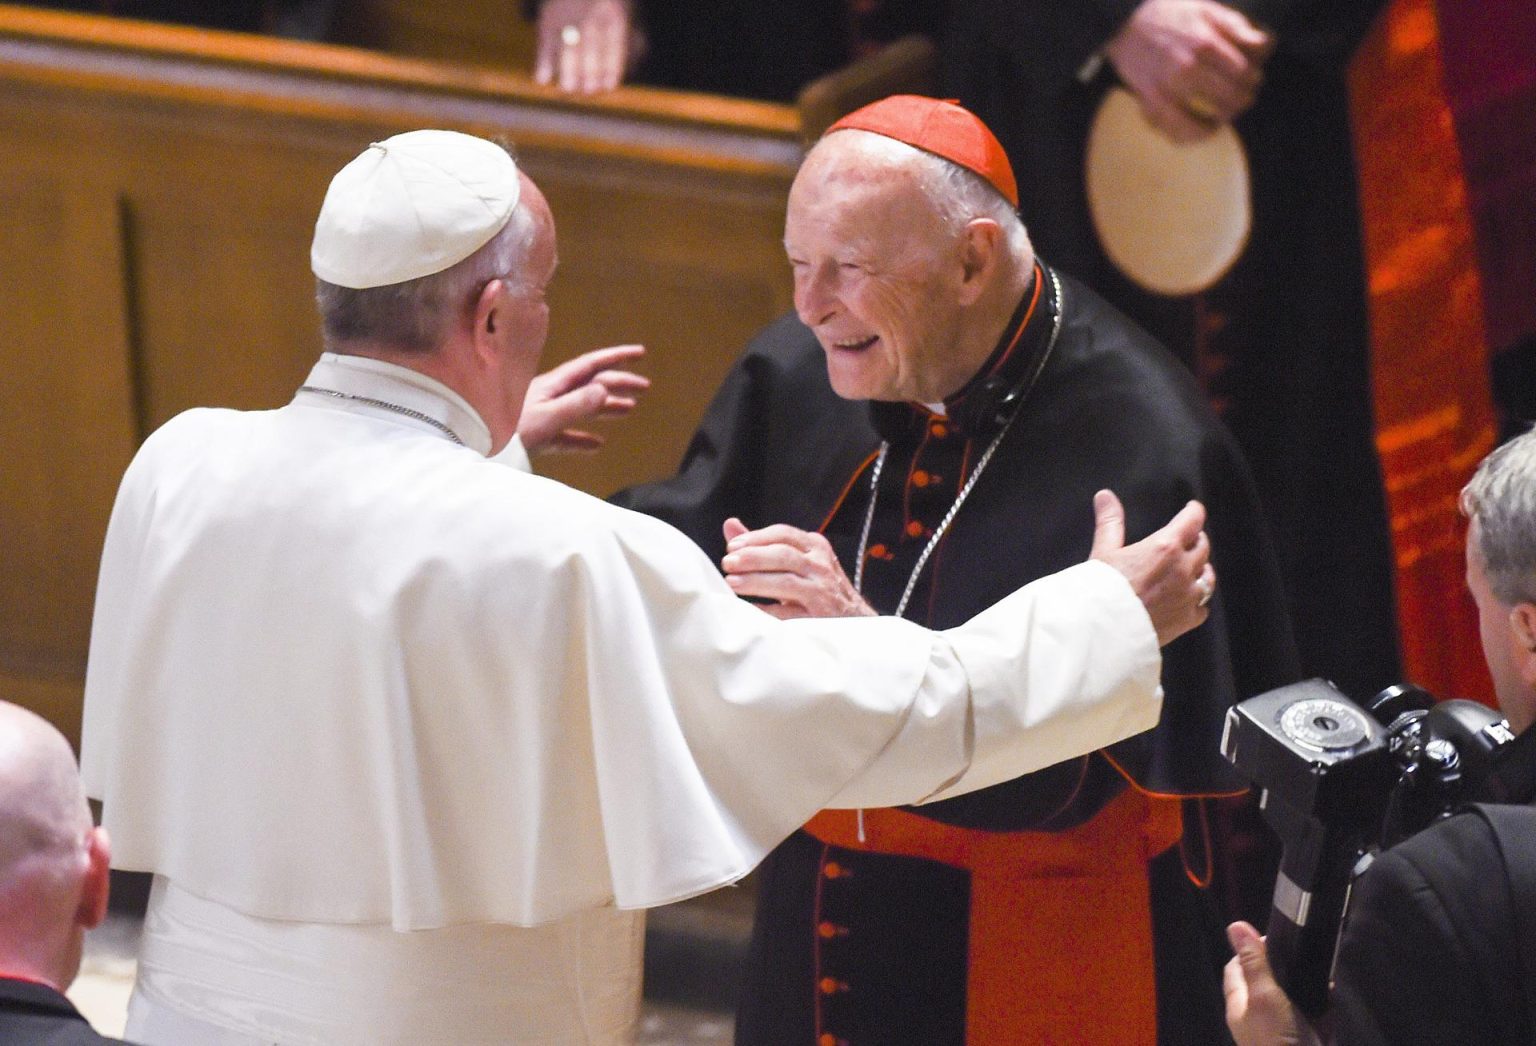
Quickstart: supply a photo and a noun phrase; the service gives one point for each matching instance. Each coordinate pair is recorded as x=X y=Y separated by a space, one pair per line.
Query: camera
x=1340 y=783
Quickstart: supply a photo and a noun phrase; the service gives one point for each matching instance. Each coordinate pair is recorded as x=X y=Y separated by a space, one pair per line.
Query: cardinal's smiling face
x=878 y=271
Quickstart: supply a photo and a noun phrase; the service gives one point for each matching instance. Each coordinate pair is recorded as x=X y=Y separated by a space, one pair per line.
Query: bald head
x=53 y=863
x=43 y=812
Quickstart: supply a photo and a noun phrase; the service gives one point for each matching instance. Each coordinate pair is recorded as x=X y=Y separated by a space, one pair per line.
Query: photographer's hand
x=1258 y=1012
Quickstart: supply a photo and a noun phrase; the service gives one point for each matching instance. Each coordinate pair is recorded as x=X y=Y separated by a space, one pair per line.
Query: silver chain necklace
x=386 y=405
x=965 y=491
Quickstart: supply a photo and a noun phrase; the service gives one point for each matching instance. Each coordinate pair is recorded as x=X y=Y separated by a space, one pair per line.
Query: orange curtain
x=1434 y=416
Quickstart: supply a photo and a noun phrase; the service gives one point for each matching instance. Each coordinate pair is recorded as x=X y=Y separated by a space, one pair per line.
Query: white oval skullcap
x=410 y=206
x=1172 y=217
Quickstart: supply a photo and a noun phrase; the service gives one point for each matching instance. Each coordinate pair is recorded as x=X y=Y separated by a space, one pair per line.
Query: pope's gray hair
x=1501 y=499
x=416 y=316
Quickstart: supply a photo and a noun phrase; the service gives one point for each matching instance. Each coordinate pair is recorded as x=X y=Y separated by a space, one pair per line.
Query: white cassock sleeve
x=1055 y=668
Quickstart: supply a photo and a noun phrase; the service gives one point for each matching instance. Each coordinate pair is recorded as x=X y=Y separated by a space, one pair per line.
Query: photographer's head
x=1500 y=502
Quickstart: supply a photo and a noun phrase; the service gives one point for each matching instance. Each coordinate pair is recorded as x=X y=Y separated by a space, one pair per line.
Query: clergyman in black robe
x=866 y=944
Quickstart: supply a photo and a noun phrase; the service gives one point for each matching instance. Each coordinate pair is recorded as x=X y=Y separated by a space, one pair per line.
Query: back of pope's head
x=410 y=230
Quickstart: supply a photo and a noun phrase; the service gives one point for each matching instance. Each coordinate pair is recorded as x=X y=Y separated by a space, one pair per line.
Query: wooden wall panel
x=702 y=298
x=67 y=429
x=160 y=186
x=222 y=290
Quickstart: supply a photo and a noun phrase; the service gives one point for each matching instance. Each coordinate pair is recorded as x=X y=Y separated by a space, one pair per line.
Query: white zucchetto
x=1172 y=216
x=410 y=206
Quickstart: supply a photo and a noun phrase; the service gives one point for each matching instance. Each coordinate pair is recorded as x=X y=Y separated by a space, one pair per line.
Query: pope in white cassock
x=409 y=736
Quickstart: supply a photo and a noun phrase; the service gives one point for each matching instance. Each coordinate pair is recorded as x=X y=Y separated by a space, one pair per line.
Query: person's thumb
x=1251 y=953
x=733 y=528
x=1108 y=524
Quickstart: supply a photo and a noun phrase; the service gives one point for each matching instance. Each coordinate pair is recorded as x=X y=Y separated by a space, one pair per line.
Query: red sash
x=1061 y=922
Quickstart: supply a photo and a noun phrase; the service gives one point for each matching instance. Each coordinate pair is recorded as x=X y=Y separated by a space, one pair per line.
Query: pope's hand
x=586 y=46
x=575 y=392
x=1169 y=570
x=794 y=568
x=1193 y=64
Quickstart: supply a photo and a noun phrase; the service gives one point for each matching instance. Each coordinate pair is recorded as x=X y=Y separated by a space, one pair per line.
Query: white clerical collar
x=367 y=385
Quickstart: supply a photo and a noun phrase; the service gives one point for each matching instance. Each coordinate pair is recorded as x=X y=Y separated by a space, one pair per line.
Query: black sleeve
x=302 y=19
x=717 y=478
x=1043 y=41
x=1429 y=957
x=1057 y=38
x=1244 y=648
x=1320 y=34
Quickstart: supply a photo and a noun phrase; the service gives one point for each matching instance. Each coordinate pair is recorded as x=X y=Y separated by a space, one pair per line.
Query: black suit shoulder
x=1124 y=413
x=1431 y=953
x=36 y=1015
x=1109 y=374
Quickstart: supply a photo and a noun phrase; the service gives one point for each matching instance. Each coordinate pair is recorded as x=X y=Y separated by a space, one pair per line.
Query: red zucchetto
x=943 y=128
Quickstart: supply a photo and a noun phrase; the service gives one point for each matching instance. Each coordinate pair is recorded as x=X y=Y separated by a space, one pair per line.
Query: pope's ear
x=486 y=307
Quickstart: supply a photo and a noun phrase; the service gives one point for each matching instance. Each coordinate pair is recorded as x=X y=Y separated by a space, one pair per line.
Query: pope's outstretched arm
x=1169 y=571
x=1066 y=665
x=635 y=733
